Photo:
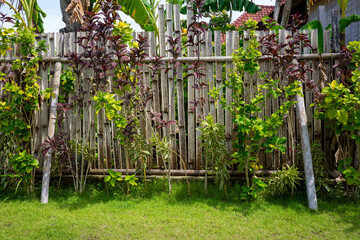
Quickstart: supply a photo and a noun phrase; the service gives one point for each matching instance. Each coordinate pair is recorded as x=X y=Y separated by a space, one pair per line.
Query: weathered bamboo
x=199 y=110
x=171 y=75
x=148 y=124
x=308 y=97
x=306 y=151
x=228 y=96
x=191 y=97
x=44 y=115
x=163 y=78
x=315 y=77
x=283 y=82
x=219 y=81
x=175 y=172
x=156 y=91
x=180 y=91
x=215 y=59
x=261 y=82
x=51 y=132
x=210 y=73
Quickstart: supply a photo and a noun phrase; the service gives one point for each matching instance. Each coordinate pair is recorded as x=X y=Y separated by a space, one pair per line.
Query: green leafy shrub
x=23 y=163
x=214 y=150
x=250 y=193
x=322 y=181
x=284 y=181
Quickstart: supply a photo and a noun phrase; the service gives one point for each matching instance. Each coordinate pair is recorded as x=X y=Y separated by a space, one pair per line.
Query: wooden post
x=306 y=150
x=51 y=132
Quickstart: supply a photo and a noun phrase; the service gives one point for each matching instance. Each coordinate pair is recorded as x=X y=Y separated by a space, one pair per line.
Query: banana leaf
x=227 y=5
x=139 y=10
x=316 y=24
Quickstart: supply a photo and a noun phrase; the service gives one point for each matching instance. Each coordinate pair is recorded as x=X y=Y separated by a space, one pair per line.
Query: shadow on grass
x=347 y=210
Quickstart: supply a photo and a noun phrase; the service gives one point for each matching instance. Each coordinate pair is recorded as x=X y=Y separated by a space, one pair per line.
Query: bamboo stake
x=51 y=132
x=305 y=145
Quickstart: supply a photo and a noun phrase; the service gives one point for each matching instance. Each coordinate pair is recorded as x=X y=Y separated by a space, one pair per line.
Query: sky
x=53 y=21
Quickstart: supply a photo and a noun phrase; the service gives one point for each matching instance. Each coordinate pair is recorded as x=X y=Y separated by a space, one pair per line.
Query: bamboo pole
x=219 y=81
x=215 y=59
x=191 y=97
x=51 y=132
x=306 y=150
x=180 y=91
x=171 y=89
x=163 y=78
x=228 y=96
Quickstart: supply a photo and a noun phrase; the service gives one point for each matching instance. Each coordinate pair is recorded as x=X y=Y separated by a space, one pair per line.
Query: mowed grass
x=155 y=215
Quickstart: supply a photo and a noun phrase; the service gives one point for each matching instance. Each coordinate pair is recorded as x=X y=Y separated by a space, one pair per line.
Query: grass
x=155 y=215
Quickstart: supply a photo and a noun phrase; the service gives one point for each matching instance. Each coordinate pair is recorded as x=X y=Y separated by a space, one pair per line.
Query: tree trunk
x=286 y=13
x=277 y=10
x=70 y=27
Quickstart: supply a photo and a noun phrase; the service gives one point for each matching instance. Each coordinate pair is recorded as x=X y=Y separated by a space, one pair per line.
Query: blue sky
x=53 y=22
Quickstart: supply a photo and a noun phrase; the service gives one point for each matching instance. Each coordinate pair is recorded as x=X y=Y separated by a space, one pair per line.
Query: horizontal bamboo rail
x=192 y=59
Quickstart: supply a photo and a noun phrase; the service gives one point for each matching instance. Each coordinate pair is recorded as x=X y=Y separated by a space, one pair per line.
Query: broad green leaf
x=113 y=182
x=139 y=10
x=107 y=178
x=29 y=169
x=345 y=22
x=316 y=24
x=112 y=173
x=235 y=5
x=342 y=116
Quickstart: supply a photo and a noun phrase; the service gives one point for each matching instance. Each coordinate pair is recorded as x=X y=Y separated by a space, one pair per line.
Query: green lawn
x=95 y=215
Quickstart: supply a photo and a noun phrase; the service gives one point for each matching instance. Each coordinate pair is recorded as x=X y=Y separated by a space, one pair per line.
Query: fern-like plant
x=214 y=150
x=284 y=181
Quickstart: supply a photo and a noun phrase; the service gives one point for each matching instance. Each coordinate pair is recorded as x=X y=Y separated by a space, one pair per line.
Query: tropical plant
x=340 y=102
x=214 y=151
x=251 y=193
x=285 y=181
x=142 y=11
x=227 y=5
x=322 y=181
x=254 y=132
x=20 y=98
x=34 y=14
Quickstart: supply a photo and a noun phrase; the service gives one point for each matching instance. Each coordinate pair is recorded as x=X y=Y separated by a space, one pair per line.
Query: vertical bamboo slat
x=228 y=96
x=163 y=78
x=210 y=73
x=308 y=96
x=283 y=82
x=315 y=77
x=191 y=97
x=171 y=89
x=180 y=91
x=218 y=74
x=147 y=83
x=155 y=89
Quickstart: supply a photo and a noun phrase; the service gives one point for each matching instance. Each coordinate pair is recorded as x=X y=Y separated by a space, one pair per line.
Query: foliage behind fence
x=173 y=96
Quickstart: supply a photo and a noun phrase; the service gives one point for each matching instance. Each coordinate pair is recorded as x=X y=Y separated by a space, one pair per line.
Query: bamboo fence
x=172 y=96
